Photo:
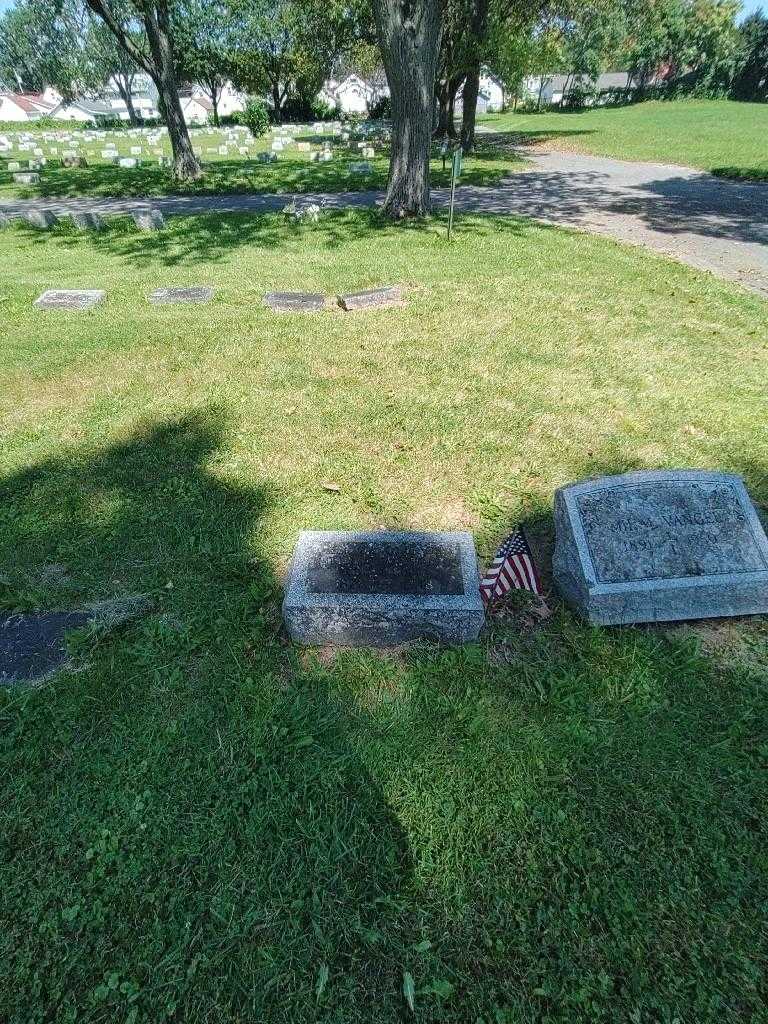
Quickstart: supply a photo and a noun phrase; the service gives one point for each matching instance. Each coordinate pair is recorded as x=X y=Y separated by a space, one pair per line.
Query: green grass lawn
x=201 y=823
x=292 y=173
x=720 y=136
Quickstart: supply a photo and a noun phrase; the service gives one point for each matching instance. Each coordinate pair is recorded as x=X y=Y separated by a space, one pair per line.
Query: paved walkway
x=715 y=225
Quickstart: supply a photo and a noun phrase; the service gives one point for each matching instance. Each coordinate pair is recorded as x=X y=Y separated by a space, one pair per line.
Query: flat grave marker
x=70 y=299
x=194 y=294
x=372 y=298
x=295 y=302
x=659 y=546
x=33 y=646
x=383 y=588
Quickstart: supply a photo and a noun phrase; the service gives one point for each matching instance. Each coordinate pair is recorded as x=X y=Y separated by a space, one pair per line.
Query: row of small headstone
x=281 y=302
x=75 y=300
x=44 y=220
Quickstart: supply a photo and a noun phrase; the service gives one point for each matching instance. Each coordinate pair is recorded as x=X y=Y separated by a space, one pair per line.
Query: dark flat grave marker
x=70 y=299
x=295 y=302
x=383 y=588
x=166 y=296
x=33 y=646
x=660 y=546
x=371 y=298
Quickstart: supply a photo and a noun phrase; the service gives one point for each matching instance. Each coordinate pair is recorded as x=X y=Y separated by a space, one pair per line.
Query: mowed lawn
x=720 y=136
x=292 y=172
x=200 y=822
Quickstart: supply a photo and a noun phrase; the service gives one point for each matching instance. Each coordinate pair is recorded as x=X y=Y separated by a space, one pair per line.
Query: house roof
x=609 y=80
x=32 y=103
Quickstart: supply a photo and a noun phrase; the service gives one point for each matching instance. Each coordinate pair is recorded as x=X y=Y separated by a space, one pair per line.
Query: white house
x=353 y=95
x=87 y=111
x=555 y=88
x=195 y=109
x=230 y=100
x=16 y=106
x=490 y=96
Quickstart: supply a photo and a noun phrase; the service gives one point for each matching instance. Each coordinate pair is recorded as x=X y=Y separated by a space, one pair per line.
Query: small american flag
x=512 y=569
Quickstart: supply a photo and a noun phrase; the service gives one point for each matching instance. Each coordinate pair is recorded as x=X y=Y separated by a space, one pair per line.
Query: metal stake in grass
x=455 y=174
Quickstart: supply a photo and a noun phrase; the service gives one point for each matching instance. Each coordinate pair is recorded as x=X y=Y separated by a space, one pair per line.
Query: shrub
x=255 y=116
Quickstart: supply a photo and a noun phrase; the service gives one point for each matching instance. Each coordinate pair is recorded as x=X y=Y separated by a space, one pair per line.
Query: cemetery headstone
x=26 y=178
x=372 y=298
x=85 y=221
x=294 y=302
x=127 y=162
x=148 y=220
x=42 y=219
x=660 y=546
x=383 y=588
x=198 y=293
x=70 y=299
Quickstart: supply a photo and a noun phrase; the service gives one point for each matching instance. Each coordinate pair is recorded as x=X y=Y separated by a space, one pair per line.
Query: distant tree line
x=432 y=51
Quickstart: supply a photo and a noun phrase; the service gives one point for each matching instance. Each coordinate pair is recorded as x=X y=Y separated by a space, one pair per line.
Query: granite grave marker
x=295 y=302
x=383 y=588
x=70 y=299
x=167 y=296
x=659 y=546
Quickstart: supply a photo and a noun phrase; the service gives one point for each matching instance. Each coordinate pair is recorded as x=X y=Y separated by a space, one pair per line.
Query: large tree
x=109 y=62
x=155 y=53
x=409 y=39
x=42 y=43
x=287 y=48
x=751 y=78
x=204 y=38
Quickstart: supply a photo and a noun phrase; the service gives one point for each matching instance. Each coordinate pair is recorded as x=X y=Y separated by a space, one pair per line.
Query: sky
x=749 y=6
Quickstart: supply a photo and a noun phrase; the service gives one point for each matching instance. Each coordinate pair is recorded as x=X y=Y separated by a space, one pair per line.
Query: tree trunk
x=469 y=108
x=453 y=88
x=541 y=90
x=215 y=105
x=159 y=64
x=409 y=39
x=443 y=102
x=277 y=102
x=186 y=166
x=125 y=93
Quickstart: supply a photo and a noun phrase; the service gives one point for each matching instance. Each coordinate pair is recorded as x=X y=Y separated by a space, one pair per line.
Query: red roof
x=32 y=103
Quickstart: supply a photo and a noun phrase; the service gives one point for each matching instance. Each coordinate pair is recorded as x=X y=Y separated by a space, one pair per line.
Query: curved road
x=715 y=225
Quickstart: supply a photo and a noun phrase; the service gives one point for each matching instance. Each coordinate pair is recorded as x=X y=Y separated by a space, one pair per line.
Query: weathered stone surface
x=32 y=646
x=199 y=293
x=26 y=178
x=42 y=219
x=148 y=220
x=294 y=302
x=660 y=546
x=383 y=588
x=372 y=298
x=70 y=299
x=87 y=221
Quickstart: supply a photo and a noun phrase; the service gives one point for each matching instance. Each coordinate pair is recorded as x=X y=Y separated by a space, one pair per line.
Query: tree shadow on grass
x=199 y=826
x=200 y=820
x=211 y=237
